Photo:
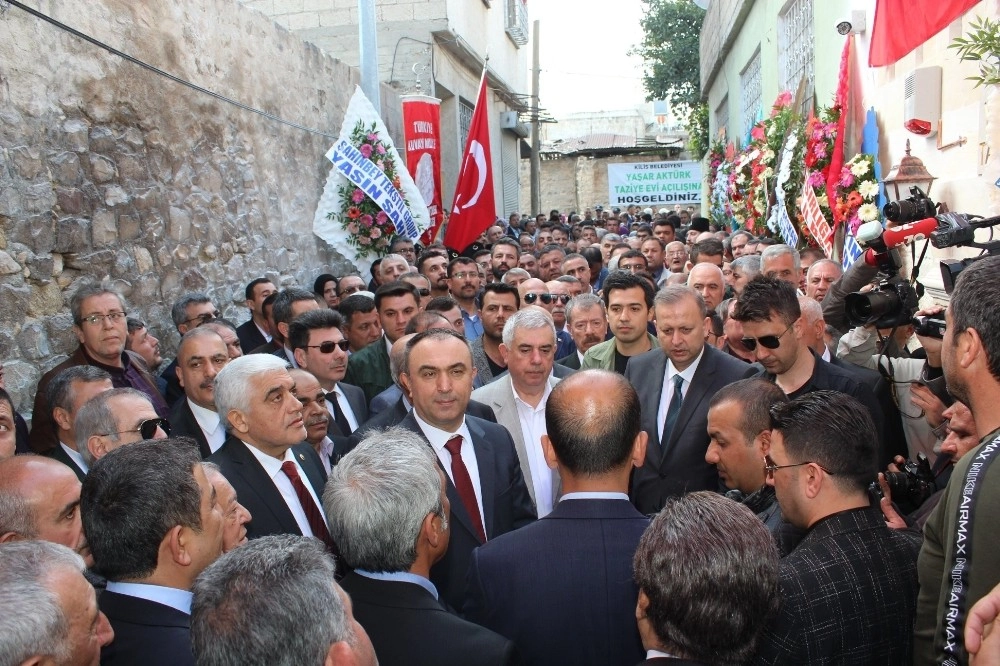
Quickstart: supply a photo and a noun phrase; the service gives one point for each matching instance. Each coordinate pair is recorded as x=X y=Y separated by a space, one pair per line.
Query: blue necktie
x=672 y=411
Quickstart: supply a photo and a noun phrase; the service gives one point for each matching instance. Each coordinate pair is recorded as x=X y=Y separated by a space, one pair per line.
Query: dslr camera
x=911 y=486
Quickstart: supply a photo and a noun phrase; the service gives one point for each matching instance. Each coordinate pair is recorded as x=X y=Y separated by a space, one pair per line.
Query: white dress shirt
x=272 y=466
x=168 y=596
x=667 y=394
x=267 y=336
x=75 y=456
x=532 y=428
x=210 y=424
x=290 y=355
x=326 y=449
x=345 y=407
x=438 y=438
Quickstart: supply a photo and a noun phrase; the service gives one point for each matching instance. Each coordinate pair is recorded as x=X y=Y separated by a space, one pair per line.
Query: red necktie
x=313 y=516
x=463 y=483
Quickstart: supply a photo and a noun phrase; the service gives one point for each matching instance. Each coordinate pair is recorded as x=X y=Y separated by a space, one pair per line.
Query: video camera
x=893 y=302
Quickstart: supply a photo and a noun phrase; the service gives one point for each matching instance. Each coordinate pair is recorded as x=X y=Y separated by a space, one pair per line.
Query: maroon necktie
x=463 y=483
x=313 y=516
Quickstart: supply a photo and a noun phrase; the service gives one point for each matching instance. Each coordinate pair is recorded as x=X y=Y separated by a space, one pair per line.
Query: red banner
x=814 y=219
x=422 y=139
x=474 y=209
x=902 y=25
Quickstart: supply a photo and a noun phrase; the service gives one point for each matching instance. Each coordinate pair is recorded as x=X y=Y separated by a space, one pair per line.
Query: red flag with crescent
x=474 y=209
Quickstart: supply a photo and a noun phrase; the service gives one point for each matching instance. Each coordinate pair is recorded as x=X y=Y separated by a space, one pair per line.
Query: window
x=517 y=21
x=750 y=92
x=464 y=121
x=722 y=119
x=795 y=49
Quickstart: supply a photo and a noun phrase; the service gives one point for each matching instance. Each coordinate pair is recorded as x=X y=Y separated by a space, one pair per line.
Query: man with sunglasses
x=849 y=588
x=189 y=312
x=200 y=356
x=114 y=418
x=320 y=348
x=774 y=330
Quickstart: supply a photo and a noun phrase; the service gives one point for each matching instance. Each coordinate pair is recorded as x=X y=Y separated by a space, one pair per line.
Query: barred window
x=796 y=50
x=750 y=92
x=722 y=118
x=464 y=121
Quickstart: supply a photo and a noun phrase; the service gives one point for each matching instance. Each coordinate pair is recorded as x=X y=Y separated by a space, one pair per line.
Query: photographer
x=915 y=381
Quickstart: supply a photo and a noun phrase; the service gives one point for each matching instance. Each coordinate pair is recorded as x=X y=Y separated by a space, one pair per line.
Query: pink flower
x=375 y=232
x=757 y=133
x=816 y=179
x=358 y=196
x=846 y=178
x=352 y=228
x=381 y=217
x=819 y=150
x=380 y=165
x=364 y=240
x=380 y=149
x=373 y=137
x=366 y=220
x=784 y=99
x=366 y=150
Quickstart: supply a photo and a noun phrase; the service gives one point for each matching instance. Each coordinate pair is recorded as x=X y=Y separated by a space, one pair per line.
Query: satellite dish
x=701 y=4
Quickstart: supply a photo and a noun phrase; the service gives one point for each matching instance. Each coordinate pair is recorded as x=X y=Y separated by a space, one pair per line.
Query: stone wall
x=111 y=172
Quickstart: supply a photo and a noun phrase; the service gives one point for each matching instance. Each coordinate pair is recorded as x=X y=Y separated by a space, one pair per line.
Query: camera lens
x=863 y=309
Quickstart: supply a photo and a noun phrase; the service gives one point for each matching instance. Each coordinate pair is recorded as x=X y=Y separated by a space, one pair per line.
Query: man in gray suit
x=518 y=398
x=675 y=384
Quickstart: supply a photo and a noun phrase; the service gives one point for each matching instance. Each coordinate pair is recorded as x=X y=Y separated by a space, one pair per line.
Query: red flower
x=354 y=212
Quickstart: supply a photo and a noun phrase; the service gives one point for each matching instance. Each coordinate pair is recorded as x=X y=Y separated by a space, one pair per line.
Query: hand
x=924 y=399
x=892 y=518
x=931 y=345
x=981 y=641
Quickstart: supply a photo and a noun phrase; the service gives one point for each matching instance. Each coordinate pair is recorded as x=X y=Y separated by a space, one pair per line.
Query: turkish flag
x=474 y=209
x=902 y=25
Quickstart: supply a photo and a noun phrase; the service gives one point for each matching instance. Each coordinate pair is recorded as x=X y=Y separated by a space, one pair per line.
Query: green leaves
x=670 y=51
x=981 y=45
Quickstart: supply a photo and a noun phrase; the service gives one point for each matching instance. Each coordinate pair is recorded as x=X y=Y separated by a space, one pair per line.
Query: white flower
x=740 y=179
x=767 y=173
x=754 y=154
x=823 y=200
x=759 y=206
x=860 y=168
x=769 y=155
x=868 y=189
x=868 y=212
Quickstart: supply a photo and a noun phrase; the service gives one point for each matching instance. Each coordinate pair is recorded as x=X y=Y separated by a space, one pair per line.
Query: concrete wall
x=108 y=171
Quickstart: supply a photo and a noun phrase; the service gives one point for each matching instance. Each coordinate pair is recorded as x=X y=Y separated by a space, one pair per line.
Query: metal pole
x=369 y=52
x=536 y=154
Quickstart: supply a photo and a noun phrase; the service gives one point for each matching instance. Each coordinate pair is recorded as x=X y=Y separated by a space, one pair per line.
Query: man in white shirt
x=66 y=394
x=202 y=353
x=518 y=398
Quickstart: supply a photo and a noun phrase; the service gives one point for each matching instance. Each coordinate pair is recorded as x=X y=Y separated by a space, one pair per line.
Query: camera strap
x=961 y=558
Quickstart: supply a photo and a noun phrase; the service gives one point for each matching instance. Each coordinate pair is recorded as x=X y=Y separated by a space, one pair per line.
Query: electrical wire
x=155 y=70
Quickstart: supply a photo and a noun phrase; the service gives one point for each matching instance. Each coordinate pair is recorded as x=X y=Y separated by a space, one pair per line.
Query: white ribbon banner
x=361 y=171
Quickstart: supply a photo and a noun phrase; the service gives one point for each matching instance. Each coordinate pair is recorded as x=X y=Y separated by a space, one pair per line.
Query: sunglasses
x=547 y=298
x=424 y=293
x=147 y=429
x=203 y=318
x=767 y=341
x=328 y=346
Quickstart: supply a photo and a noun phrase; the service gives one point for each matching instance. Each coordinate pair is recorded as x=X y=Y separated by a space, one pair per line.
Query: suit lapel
x=650 y=405
x=487 y=464
x=695 y=393
x=506 y=411
x=257 y=481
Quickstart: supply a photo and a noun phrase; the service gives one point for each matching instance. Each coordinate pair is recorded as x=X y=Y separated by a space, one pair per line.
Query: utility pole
x=368 y=46
x=536 y=149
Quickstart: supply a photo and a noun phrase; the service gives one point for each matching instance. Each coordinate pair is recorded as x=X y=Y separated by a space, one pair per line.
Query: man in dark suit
x=200 y=356
x=675 y=384
x=278 y=478
x=526 y=580
x=587 y=322
x=485 y=486
x=849 y=589
x=153 y=523
x=68 y=391
x=256 y=332
x=687 y=612
x=391 y=545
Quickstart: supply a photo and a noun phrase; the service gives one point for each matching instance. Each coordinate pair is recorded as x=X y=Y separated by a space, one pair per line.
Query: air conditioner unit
x=508 y=119
x=922 y=101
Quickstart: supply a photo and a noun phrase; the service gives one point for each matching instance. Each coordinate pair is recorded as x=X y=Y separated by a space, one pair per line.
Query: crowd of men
x=617 y=438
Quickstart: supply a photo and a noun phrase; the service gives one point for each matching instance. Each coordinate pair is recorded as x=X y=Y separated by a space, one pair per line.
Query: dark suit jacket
x=58 y=453
x=506 y=503
x=571 y=361
x=681 y=468
x=257 y=492
x=393 y=415
x=368 y=369
x=250 y=337
x=561 y=588
x=146 y=632
x=849 y=595
x=894 y=439
x=409 y=627
x=183 y=424
x=174 y=390
x=356 y=399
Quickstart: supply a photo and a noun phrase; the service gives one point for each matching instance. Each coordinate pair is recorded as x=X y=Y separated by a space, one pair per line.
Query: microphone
x=877 y=240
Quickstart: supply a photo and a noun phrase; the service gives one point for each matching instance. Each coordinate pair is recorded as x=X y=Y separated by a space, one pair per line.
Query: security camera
x=854 y=23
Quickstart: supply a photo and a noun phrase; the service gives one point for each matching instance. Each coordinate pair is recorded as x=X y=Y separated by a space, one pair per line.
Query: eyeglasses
x=547 y=298
x=328 y=346
x=424 y=293
x=203 y=318
x=96 y=319
x=770 y=467
x=768 y=341
x=350 y=290
x=146 y=429
x=943 y=429
x=462 y=276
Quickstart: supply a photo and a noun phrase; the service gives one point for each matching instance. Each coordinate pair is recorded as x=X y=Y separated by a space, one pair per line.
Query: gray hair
x=378 y=496
x=96 y=418
x=775 y=251
x=178 y=313
x=583 y=302
x=710 y=570
x=513 y=273
x=272 y=602
x=391 y=257
x=811 y=309
x=748 y=263
x=59 y=391
x=232 y=384
x=528 y=319
x=35 y=623
x=87 y=291
x=613 y=237
x=824 y=262
x=675 y=293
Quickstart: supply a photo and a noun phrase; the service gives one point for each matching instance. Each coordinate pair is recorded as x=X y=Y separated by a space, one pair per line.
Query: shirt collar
x=208 y=419
x=400 y=577
x=599 y=495
x=168 y=596
x=75 y=456
x=687 y=373
x=437 y=437
x=271 y=465
x=541 y=403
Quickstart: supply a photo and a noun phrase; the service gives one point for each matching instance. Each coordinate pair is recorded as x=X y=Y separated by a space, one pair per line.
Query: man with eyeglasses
x=320 y=348
x=849 y=589
x=774 y=330
x=112 y=419
x=463 y=285
x=99 y=323
x=189 y=311
x=200 y=356
x=587 y=323
x=559 y=295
